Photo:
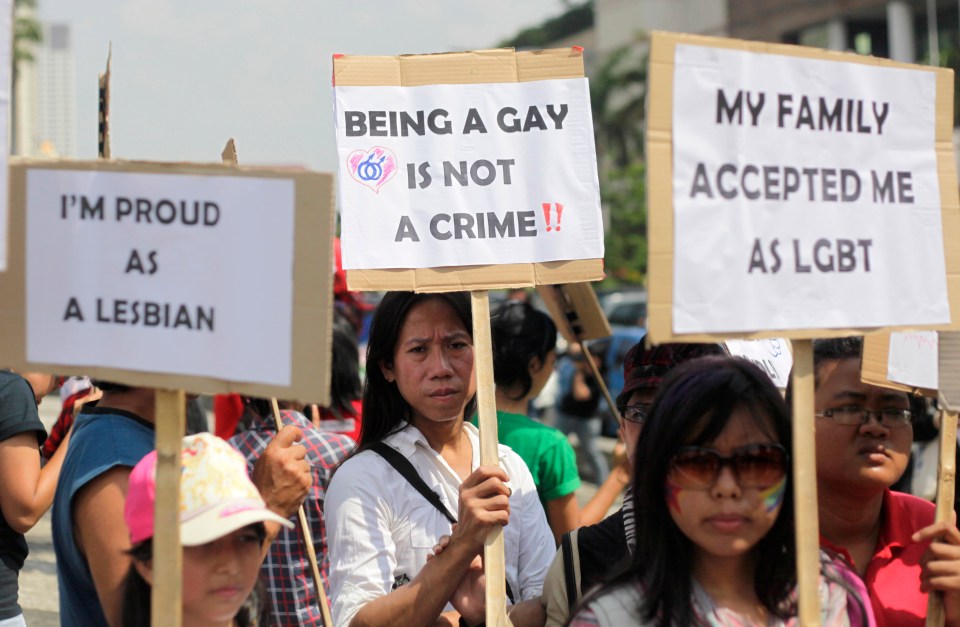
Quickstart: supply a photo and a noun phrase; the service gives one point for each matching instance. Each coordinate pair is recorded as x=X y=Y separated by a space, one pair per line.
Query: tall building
x=45 y=100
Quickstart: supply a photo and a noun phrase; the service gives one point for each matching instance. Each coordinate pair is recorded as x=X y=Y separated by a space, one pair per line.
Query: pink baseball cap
x=216 y=495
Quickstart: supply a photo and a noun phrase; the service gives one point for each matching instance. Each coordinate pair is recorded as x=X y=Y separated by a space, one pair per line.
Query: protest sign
x=915 y=358
x=785 y=184
x=468 y=171
x=948 y=356
x=576 y=311
x=481 y=172
x=203 y=278
x=772 y=355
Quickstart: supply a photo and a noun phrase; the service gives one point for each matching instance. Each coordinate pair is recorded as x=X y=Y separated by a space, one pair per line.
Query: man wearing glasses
x=589 y=554
x=863 y=436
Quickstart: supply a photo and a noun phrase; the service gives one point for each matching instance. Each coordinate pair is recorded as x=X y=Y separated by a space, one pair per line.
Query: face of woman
x=218 y=577
x=433 y=363
x=726 y=517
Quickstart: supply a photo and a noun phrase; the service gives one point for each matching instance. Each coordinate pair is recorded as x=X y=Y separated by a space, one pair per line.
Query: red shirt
x=893 y=575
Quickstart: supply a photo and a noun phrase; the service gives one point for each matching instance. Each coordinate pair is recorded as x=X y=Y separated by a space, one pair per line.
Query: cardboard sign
x=785 y=185
x=913 y=359
x=772 y=355
x=875 y=366
x=205 y=278
x=480 y=172
x=949 y=370
x=576 y=311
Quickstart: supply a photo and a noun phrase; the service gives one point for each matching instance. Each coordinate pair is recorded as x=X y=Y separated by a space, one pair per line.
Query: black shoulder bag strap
x=566 y=549
x=402 y=465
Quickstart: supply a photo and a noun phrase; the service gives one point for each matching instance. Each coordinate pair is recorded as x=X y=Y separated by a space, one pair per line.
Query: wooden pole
x=308 y=540
x=493 y=560
x=946 y=484
x=103 y=123
x=599 y=379
x=171 y=422
x=805 y=484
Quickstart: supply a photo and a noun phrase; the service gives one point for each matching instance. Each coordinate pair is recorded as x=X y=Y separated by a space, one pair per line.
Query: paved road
x=38 y=579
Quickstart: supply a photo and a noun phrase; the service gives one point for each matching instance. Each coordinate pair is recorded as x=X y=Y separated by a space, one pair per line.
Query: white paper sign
x=161 y=273
x=913 y=359
x=6 y=11
x=460 y=175
x=770 y=355
x=799 y=185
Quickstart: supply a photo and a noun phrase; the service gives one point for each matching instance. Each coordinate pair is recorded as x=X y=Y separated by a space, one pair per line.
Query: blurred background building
x=45 y=102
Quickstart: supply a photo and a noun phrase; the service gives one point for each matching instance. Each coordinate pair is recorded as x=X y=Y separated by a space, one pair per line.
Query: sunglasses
x=754 y=466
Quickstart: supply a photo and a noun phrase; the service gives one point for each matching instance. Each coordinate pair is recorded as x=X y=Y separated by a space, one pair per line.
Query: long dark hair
x=384 y=409
x=345 y=386
x=135 y=611
x=693 y=406
x=519 y=333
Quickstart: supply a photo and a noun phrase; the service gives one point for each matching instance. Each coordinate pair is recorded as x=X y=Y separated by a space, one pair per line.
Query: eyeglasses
x=857 y=415
x=636 y=413
x=754 y=466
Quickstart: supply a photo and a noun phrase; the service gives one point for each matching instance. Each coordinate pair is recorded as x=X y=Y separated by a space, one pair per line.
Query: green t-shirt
x=546 y=452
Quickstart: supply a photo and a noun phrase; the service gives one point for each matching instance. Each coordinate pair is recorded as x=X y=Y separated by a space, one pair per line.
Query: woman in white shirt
x=380 y=529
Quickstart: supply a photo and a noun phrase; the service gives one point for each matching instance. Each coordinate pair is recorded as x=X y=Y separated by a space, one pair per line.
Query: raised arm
x=26 y=489
x=363 y=554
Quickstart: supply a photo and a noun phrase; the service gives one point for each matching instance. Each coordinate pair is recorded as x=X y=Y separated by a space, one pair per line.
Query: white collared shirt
x=380 y=528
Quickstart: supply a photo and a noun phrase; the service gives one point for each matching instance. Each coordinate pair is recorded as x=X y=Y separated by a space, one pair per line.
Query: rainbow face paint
x=773 y=496
x=673 y=496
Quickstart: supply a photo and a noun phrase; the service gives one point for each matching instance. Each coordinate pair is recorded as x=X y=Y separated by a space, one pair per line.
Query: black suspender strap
x=402 y=465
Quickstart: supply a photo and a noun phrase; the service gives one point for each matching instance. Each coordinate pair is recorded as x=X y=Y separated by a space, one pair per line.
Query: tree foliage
x=576 y=19
x=624 y=194
x=26 y=32
x=618 y=92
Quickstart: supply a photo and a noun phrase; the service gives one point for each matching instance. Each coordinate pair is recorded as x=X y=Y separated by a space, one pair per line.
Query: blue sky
x=189 y=74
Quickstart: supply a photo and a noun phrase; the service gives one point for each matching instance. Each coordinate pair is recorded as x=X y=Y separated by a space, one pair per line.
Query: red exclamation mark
x=546 y=214
x=559 y=214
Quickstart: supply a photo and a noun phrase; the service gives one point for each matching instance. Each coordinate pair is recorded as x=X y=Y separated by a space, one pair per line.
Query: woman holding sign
x=416 y=472
x=714 y=508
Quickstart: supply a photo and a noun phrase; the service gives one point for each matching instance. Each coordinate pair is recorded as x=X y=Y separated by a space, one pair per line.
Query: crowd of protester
x=399 y=506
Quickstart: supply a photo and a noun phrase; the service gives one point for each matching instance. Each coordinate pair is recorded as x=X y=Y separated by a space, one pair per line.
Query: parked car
x=626 y=308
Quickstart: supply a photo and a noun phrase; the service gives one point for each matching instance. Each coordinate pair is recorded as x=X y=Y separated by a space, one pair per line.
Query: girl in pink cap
x=221 y=530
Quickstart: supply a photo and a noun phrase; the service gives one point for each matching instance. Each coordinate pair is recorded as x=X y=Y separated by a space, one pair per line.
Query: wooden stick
x=946 y=484
x=308 y=539
x=103 y=133
x=599 y=379
x=171 y=423
x=493 y=560
x=805 y=485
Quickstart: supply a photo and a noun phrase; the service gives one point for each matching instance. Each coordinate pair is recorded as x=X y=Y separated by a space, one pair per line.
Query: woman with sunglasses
x=714 y=512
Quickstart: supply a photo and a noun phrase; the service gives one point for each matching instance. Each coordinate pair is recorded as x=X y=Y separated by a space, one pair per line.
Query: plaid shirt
x=286 y=571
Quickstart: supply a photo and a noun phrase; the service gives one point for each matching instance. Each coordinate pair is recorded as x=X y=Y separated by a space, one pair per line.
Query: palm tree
x=617 y=93
x=27 y=32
